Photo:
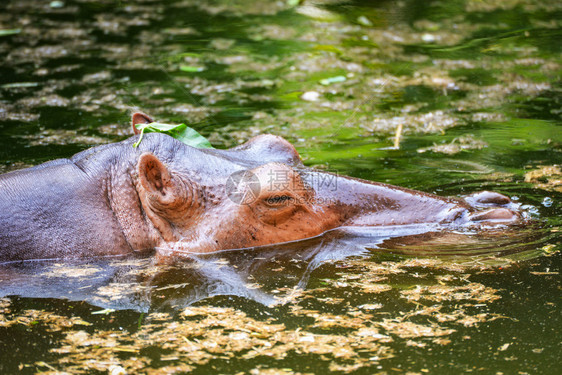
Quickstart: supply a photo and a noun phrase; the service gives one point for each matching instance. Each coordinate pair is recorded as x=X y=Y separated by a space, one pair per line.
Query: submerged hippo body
x=118 y=199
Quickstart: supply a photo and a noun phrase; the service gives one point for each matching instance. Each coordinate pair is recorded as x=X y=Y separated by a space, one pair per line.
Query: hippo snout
x=499 y=215
x=491 y=208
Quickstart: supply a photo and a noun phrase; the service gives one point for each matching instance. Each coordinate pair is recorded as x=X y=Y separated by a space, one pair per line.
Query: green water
x=475 y=86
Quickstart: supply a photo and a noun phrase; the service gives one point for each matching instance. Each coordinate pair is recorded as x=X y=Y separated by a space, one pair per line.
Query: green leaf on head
x=180 y=132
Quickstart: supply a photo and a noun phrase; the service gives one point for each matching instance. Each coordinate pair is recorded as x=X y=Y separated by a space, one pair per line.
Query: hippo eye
x=279 y=200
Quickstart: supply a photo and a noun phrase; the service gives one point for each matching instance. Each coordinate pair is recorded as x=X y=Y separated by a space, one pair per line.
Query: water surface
x=471 y=89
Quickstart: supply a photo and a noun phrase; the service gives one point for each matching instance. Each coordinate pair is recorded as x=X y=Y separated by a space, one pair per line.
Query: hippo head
x=259 y=193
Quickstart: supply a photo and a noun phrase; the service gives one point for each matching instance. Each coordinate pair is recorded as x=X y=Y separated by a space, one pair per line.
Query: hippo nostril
x=495 y=214
x=488 y=197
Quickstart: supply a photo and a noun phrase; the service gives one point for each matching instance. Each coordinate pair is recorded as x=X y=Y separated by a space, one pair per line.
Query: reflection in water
x=268 y=275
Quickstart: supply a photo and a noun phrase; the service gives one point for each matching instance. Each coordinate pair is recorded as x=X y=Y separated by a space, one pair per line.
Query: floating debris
x=547 y=178
x=462 y=143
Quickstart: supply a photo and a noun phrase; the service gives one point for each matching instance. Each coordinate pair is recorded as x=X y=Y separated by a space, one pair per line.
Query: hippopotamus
x=118 y=199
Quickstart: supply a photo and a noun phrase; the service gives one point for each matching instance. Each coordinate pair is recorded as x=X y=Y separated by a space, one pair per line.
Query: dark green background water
x=475 y=86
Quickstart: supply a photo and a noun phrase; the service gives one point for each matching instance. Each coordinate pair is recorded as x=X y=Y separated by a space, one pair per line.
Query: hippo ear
x=154 y=177
x=163 y=196
x=269 y=148
x=140 y=118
